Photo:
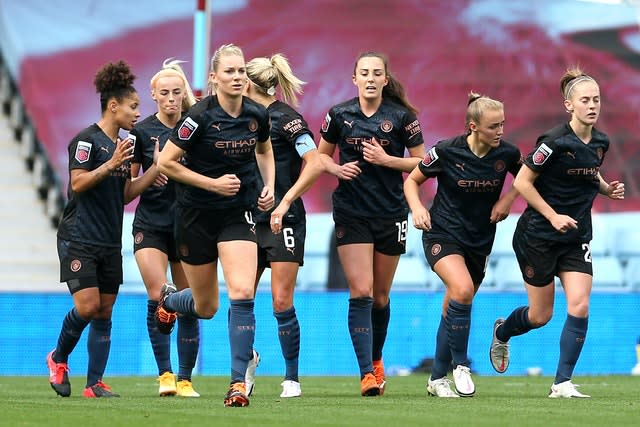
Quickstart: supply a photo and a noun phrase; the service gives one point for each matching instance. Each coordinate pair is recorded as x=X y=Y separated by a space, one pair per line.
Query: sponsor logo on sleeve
x=542 y=153
x=83 y=150
x=430 y=158
x=187 y=128
x=413 y=129
x=326 y=122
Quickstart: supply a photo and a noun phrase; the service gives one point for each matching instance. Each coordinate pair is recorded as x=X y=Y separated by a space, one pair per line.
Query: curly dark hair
x=114 y=80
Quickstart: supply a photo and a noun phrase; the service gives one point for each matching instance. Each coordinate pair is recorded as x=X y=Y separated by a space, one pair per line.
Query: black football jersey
x=94 y=216
x=568 y=181
x=286 y=126
x=156 y=208
x=468 y=188
x=377 y=191
x=217 y=144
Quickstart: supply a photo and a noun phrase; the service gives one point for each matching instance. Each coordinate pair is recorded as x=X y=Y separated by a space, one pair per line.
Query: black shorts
x=436 y=249
x=198 y=232
x=388 y=235
x=541 y=260
x=162 y=240
x=286 y=246
x=85 y=266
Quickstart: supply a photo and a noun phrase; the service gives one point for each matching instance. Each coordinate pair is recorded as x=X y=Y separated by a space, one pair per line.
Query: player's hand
x=421 y=219
x=277 y=216
x=563 y=223
x=266 y=199
x=227 y=185
x=161 y=180
x=615 y=190
x=122 y=153
x=499 y=211
x=348 y=171
x=374 y=153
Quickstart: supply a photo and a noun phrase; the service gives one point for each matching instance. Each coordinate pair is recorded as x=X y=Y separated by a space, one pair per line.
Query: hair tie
x=575 y=81
x=271 y=91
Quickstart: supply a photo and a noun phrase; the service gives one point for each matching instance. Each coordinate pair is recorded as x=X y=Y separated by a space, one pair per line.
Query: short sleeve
x=81 y=155
x=431 y=164
x=186 y=132
x=329 y=128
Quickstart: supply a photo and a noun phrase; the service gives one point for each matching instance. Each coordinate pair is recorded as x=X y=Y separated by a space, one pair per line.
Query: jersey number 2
x=587 y=252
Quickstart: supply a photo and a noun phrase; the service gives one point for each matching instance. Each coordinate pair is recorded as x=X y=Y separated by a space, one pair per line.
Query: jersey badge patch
x=436 y=249
x=75 y=265
x=430 y=158
x=187 y=128
x=541 y=154
x=326 y=122
x=83 y=150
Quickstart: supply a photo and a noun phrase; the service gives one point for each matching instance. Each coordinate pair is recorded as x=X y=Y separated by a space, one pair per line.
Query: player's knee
x=463 y=295
x=89 y=310
x=580 y=309
x=207 y=311
x=380 y=301
x=281 y=304
x=538 y=320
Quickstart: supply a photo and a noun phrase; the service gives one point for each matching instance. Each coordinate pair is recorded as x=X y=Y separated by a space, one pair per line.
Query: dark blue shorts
x=85 y=266
x=436 y=249
x=198 y=232
x=541 y=260
x=286 y=246
x=162 y=240
x=388 y=235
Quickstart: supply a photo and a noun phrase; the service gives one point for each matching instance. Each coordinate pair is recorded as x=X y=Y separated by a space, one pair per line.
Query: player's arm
x=267 y=168
x=503 y=206
x=82 y=180
x=346 y=172
x=169 y=164
x=420 y=215
x=614 y=189
x=375 y=154
x=523 y=183
x=313 y=167
x=134 y=187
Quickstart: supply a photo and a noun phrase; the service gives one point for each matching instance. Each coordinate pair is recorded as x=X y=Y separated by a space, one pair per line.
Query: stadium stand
x=507 y=276
x=601 y=242
x=504 y=235
x=608 y=274
x=66 y=54
x=627 y=242
x=313 y=274
x=632 y=273
x=412 y=274
x=28 y=260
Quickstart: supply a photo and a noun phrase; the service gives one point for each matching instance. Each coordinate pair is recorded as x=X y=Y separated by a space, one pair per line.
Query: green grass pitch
x=326 y=401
